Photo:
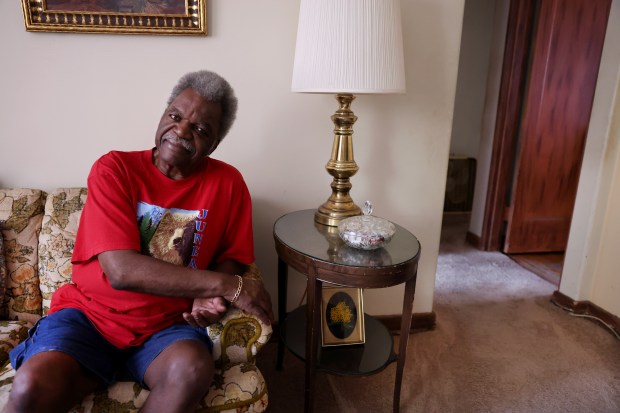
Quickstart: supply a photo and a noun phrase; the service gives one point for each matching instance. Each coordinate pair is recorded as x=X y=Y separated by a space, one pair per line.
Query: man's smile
x=175 y=141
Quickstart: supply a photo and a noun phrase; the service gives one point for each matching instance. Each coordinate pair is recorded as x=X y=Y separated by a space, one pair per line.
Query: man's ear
x=214 y=146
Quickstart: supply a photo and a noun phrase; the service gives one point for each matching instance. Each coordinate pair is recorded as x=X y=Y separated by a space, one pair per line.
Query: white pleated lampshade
x=349 y=46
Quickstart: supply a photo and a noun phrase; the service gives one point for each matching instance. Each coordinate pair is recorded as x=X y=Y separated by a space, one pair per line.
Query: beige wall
x=489 y=112
x=591 y=264
x=606 y=280
x=69 y=98
x=473 y=71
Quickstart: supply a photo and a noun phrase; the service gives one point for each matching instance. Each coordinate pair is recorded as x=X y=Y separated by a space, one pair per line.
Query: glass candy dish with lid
x=366 y=231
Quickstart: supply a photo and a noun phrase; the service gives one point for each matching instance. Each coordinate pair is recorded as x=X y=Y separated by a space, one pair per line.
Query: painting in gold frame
x=175 y=17
x=342 y=316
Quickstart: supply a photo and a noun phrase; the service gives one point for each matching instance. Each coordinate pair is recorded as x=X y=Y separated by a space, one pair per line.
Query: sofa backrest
x=21 y=214
x=63 y=209
x=38 y=234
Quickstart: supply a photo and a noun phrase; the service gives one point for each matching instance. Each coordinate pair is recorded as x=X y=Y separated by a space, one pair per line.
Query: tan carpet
x=500 y=346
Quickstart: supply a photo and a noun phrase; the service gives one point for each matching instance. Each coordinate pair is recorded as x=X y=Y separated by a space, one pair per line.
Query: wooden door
x=564 y=61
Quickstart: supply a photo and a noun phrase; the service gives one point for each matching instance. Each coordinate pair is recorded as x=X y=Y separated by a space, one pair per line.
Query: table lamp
x=347 y=47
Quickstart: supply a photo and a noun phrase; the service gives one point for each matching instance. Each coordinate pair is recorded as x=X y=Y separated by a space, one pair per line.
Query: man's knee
x=186 y=362
x=32 y=390
x=192 y=371
x=48 y=382
x=25 y=385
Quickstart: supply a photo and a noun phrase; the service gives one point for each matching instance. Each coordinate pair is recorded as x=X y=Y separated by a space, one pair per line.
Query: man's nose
x=183 y=129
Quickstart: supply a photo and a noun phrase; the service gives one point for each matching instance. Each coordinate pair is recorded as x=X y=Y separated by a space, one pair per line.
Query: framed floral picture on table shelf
x=342 y=316
x=175 y=17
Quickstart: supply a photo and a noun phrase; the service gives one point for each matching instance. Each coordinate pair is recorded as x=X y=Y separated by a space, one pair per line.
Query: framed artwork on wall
x=175 y=17
x=342 y=316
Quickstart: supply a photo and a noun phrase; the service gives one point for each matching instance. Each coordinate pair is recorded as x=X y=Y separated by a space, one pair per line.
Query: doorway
x=531 y=92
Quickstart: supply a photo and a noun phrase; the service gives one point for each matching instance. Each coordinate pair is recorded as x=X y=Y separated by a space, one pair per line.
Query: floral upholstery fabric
x=39 y=234
x=3 y=272
x=21 y=211
x=11 y=334
x=59 y=228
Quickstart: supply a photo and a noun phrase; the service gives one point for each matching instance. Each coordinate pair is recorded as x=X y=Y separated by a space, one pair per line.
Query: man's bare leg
x=50 y=382
x=179 y=378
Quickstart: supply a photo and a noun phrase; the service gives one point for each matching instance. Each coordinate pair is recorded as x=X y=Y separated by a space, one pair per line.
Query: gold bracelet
x=238 y=293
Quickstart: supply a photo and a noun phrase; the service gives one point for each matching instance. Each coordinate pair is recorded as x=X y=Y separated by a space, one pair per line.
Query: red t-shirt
x=196 y=221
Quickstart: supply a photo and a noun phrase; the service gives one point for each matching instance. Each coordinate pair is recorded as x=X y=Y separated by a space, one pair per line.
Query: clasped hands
x=254 y=299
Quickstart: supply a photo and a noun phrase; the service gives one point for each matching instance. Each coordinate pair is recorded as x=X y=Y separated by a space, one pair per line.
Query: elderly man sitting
x=162 y=238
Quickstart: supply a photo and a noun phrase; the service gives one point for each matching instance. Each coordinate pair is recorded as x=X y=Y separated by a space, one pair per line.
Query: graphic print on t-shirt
x=169 y=234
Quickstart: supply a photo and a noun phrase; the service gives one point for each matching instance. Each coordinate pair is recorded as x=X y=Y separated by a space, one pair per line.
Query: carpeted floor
x=500 y=345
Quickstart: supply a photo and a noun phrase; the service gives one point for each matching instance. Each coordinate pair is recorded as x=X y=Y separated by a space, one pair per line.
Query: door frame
x=515 y=65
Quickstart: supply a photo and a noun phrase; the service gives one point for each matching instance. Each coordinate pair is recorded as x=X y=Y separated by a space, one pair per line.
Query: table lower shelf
x=348 y=360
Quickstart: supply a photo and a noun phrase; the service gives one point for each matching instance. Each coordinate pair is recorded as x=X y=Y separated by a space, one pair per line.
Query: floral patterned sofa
x=37 y=233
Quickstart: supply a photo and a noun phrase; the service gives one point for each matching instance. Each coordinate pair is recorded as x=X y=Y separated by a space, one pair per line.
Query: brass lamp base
x=326 y=216
x=341 y=166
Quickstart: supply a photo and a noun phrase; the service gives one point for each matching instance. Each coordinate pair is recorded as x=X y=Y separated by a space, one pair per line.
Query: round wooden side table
x=317 y=251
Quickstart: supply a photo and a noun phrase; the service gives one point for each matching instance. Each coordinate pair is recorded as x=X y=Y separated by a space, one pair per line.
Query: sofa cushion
x=63 y=209
x=21 y=212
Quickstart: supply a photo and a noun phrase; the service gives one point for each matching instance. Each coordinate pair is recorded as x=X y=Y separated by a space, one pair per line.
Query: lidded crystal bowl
x=366 y=231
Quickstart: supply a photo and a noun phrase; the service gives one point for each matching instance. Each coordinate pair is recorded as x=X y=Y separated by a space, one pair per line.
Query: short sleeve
x=108 y=221
x=238 y=241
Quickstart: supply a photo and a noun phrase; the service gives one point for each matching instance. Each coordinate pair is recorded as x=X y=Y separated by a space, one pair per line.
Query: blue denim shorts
x=70 y=332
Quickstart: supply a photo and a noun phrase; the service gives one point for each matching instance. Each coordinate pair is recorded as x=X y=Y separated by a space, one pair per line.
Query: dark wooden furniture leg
x=405 y=326
x=313 y=317
x=282 y=292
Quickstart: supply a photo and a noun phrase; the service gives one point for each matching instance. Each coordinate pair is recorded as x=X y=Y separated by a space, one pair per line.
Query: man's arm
x=132 y=271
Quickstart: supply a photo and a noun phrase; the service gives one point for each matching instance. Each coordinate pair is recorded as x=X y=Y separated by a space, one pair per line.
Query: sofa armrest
x=238 y=337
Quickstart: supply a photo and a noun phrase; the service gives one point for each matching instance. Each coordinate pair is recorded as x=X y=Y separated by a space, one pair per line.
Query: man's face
x=187 y=132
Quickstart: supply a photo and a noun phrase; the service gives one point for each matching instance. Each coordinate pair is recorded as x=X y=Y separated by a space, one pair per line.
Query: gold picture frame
x=342 y=316
x=174 y=17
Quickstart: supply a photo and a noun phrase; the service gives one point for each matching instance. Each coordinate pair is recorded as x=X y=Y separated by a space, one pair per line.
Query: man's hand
x=254 y=299
x=206 y=311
